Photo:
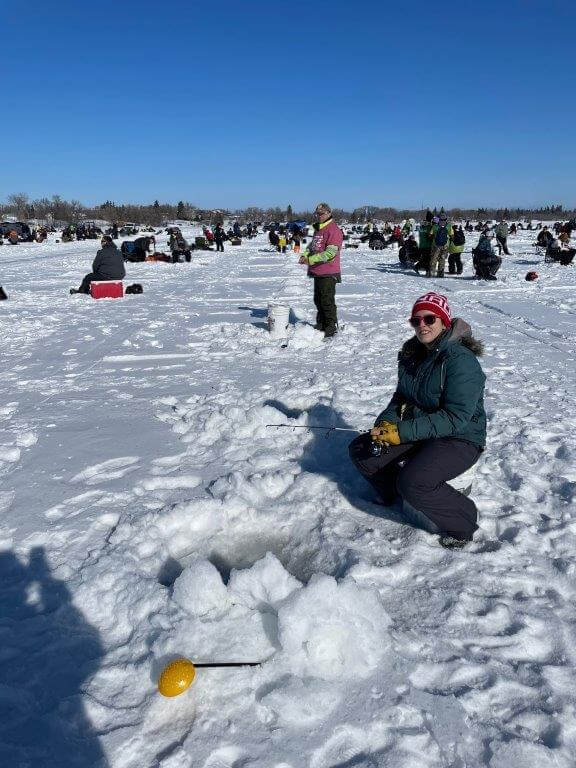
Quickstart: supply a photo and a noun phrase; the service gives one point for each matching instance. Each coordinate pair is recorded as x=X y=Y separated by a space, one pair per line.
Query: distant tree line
x=155 y=213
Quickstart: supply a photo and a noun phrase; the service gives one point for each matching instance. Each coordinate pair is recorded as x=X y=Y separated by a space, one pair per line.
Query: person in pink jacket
x=323 y=260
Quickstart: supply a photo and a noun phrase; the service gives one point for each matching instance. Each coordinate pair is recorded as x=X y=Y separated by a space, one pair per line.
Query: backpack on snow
x=441 y=237
x=127 y=248
x=459 y=238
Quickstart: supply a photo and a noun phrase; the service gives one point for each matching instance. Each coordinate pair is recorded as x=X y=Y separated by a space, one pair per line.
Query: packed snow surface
x=148 y=512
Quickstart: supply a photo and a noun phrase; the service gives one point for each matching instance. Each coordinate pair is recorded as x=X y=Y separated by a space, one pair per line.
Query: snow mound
x=333 y=630
x=305 y=337
x=301 y=703
x=263 y=585
x=199 y=590
x=326 y=630
x=523 y=755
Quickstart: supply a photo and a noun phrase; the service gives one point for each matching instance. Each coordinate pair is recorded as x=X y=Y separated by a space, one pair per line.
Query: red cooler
x=107 y=289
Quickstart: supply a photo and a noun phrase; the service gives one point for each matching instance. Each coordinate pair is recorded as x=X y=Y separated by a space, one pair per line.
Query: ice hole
x=241 y=553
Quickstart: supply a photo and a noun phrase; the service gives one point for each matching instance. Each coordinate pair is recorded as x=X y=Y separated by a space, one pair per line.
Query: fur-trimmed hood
x=459 y=333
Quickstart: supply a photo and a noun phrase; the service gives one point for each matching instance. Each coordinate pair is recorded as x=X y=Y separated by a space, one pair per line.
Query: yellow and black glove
x=385 y=432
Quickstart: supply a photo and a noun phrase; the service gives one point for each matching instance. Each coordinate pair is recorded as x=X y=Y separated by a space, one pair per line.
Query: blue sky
x=270 y=103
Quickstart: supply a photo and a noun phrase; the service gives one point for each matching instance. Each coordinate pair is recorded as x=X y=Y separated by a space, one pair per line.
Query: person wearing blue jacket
x=434 y=427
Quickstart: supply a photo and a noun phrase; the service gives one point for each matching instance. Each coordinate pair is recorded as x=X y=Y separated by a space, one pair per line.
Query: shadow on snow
x=48 y=652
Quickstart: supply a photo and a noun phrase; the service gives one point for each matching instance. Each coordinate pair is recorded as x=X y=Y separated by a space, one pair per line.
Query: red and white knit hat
x=436 y=304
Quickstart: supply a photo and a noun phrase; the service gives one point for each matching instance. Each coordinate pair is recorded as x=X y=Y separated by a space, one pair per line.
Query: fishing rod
x=315 y=426
x=376 y=448
x=228 y=664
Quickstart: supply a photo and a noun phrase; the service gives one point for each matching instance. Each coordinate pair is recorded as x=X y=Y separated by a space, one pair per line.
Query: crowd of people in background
x=432 y=248
x=441 y=243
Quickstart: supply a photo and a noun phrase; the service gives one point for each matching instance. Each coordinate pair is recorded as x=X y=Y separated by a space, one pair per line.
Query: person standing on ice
x=219 y=237
x=323 y=260
x=433 y=428
x=501 y=232
x=440 y=235
x=455 y=250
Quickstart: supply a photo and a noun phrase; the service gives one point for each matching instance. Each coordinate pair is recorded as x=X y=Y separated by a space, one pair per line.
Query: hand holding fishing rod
x=379 y=442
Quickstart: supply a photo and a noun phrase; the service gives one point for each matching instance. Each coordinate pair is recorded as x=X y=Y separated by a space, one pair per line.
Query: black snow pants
x=87 y=279
x=423 y=259
x=219 y=245
x=418 y=473
x=455 y=263
x=325 y=301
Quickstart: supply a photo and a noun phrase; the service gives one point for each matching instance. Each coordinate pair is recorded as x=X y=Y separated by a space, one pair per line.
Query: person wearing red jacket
x=323 y=260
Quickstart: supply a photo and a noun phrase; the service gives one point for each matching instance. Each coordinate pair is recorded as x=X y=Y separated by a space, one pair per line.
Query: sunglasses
x=416 y=322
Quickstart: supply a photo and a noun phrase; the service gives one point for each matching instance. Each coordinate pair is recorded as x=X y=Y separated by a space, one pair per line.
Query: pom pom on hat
x=436 y=304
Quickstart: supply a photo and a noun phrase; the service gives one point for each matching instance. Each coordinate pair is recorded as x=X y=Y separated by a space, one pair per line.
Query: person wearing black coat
x=219 y=237
x=142 y=246
x=544 y=238
x=486 y=262
x=409 y=253
x=555 y=252
x=108 y=265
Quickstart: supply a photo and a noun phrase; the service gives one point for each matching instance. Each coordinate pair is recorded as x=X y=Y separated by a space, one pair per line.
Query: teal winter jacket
x=440 y=391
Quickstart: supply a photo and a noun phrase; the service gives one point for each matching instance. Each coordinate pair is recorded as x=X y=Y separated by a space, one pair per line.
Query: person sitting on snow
x=108 y=265
x=486 y=262
x=409 y=253
x=556 y=252
x=434 y=427
x=376 y=240
x=544 y=238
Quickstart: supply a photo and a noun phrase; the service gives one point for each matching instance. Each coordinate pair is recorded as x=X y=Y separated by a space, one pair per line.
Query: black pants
x=503 y=243
x=325 y=301
x=563 y=257
x=421 y=481
x=455 y=263
x=423 y=259
x=85 y=284
x=486 y=267
x=220 y=245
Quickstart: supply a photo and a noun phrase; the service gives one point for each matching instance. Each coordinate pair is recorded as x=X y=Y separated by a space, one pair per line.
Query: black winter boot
x=449 y=541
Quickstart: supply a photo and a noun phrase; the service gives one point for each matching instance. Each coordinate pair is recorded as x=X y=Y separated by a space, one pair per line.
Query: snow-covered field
x=147 y=512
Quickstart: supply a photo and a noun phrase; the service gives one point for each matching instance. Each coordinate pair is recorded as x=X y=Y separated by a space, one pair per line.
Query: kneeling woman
x=434 y=427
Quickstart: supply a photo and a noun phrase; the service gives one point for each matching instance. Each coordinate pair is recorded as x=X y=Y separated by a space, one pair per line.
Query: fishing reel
x=377 y=449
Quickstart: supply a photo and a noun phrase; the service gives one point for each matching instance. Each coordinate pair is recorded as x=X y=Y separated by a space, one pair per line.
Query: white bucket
x=278 y=319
